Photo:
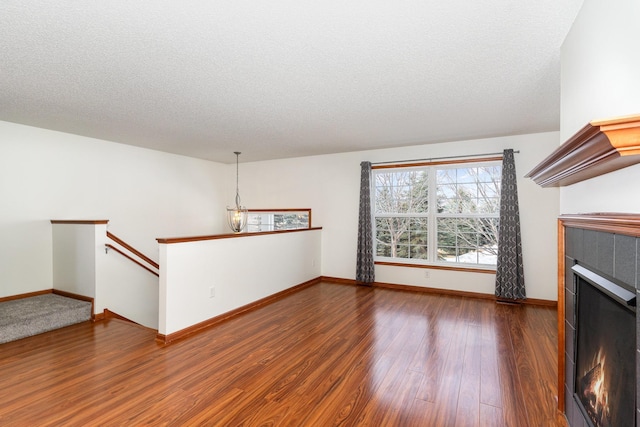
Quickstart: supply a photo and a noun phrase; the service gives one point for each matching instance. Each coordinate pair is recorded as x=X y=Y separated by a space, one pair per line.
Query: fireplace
x=605 y=349
x=605 y=242
x=599 y=257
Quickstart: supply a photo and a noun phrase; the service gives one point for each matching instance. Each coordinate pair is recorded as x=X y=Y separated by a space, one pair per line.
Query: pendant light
x=237 y=217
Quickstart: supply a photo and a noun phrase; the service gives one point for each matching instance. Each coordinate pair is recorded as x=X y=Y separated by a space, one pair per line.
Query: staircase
x=25 y=317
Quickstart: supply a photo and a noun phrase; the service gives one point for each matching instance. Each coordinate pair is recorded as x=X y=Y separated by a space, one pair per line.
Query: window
x=438 y=214
x=276 y=220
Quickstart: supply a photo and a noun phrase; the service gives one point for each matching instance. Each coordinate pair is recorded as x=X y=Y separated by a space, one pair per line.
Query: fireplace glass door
x=605 y=356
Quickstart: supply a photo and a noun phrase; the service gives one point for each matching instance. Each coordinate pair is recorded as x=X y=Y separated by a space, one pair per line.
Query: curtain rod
x=442 y=158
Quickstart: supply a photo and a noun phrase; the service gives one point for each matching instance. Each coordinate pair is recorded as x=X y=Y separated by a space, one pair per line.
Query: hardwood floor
x=327 y=355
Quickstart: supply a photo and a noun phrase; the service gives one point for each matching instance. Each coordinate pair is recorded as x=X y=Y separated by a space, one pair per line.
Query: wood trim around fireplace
x=618 y=223
x=600 y=147
x=561 y=316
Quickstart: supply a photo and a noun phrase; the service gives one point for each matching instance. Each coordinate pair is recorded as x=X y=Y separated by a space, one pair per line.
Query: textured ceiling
x=283 y=78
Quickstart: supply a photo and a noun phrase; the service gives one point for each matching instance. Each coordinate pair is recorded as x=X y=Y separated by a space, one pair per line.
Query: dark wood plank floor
x=327 y=355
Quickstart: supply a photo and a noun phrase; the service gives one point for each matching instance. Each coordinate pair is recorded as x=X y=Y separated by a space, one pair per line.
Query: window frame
x=273 y=212
x=432 y=215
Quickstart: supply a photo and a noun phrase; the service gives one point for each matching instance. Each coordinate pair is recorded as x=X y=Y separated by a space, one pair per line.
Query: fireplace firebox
x=605 y=368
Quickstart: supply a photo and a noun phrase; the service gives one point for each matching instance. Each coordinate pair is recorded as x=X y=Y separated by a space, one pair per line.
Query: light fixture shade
x=237 y=218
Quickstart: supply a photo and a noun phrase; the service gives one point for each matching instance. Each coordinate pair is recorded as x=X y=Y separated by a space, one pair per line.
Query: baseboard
x=167 y=339
x=450 y=292
x=338 y=280
x=108 y=314
x=542 y=302
x=27 y=295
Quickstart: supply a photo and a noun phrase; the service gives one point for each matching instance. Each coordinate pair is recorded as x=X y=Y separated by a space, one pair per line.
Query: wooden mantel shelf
x=600 y=147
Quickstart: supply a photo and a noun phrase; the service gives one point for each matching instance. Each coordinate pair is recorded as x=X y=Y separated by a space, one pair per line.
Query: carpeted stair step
x=34 y=315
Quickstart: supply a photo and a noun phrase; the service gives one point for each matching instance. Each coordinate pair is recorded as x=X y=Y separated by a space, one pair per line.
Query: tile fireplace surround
x=610 y=244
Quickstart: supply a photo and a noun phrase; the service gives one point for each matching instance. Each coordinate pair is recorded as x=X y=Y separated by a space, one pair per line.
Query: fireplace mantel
x=600 y=147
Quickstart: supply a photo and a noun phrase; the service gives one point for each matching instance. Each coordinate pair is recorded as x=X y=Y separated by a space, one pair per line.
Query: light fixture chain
x=237 y=153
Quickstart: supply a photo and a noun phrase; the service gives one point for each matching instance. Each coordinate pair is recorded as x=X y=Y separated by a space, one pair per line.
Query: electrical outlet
x=426 y=274
x=212 y=292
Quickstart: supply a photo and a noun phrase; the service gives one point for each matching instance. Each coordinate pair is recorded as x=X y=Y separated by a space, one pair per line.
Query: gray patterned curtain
x=509 y=272
x=365 y=268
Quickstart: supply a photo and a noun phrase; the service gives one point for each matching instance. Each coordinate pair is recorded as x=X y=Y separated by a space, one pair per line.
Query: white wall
x=330 y=186
x=600 y=69
x=74 y=257
x=125 y=288
x=240 y=270
x=74 y=264
x=143 y=193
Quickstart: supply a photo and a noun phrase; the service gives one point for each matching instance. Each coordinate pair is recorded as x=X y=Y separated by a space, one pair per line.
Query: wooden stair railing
x=134 y=251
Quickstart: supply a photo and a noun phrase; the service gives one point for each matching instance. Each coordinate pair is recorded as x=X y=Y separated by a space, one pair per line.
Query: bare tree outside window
x=401 y=206
x=464 y=220
x=468 y=209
